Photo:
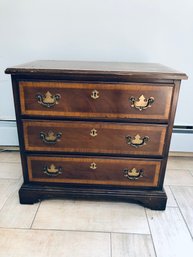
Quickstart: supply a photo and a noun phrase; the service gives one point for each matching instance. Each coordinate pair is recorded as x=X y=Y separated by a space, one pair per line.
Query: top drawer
x=96 y=100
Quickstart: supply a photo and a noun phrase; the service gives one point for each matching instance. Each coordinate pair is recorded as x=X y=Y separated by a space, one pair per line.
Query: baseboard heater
x=182 y=139
x=8 y=132
x=182 y=136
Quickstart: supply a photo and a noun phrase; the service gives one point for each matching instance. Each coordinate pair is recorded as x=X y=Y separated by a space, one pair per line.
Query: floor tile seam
x=9 y=148
x=2 y=161
x=78 y=231
x=111 y=245
x=1 y=208
x=55 y=230
x=13 y=228
x=178 y=185
x=92 y=231
x=130 y=233
x=151 y=235
x=168 y=169
x=10 y=195
x=35 y=215
x=10 y=178
x=189 y=171
x=191 y=235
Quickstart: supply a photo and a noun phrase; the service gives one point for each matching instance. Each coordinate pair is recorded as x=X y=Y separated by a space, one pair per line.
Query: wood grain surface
x=110 y=137
x=113 y=100
x=108 y=171
x=128 y=69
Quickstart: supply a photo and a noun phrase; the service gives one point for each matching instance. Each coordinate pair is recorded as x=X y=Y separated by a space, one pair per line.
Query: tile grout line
x=178 y=185
x=187 y=169
x=73 y=231
x=150 y=233
x=96 y=231
x=10 y=162
x=89 y=231
x=10 y=195
x=191 y=172
x=111 y=245
x=11 y=178
x=181 y=214
x=35 y=216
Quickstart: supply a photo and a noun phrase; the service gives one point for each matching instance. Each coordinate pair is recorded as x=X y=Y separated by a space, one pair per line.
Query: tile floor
x=69 y=228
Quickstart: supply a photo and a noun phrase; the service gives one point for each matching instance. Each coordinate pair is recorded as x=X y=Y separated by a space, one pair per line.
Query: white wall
x=106 y=30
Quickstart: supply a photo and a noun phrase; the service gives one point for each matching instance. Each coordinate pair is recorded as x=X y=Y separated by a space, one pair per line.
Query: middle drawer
x=94 y=137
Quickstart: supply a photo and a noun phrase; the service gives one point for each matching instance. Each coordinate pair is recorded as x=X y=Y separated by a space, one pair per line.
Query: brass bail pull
x=137 y=141
x=141 y=103
x=48 y=100
x=50 y=137
x=52 y=170
x=133 y=173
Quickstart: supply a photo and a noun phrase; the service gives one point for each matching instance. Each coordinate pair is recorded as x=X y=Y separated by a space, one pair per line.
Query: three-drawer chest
x=95 y=130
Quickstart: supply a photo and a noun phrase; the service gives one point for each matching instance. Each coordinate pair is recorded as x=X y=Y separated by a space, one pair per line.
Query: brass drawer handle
x=133 y=174
x=50 y=137
x=52 y=171
x=95 y=94
x=141 y=103
x=93 y=166
x=48 y=100
x=137 y=141
x=93 y=132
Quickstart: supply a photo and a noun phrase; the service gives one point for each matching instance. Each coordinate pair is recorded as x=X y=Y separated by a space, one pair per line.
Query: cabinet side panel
x=15 y=87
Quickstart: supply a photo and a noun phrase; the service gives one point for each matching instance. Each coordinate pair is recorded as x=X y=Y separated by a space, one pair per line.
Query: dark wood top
x=146 y=70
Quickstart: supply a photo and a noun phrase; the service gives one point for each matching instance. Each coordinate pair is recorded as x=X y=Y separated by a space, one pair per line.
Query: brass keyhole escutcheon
x=93 y=166
x=93 y=132
x=95 y=94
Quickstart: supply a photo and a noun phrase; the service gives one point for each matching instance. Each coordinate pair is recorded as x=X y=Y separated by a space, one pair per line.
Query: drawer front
x=94 y=137
x=104 y=171
x=108 y=101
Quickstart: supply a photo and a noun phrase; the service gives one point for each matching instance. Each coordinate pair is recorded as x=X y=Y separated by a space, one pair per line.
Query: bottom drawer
x=94 y=170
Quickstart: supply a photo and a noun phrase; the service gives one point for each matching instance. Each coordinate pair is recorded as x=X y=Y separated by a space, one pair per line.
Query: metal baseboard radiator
x=183 y=129
x=182 y=139
x=9 y=131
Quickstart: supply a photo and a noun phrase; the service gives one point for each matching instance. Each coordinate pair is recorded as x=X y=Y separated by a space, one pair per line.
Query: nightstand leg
x=156 y=203
x=28 y=197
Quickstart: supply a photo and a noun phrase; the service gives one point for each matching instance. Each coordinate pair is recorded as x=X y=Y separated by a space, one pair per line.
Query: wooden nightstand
x=95 y=130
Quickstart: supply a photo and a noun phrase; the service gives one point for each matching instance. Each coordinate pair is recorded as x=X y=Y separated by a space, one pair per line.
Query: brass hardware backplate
x=52 y=170
x=141 y=103
x=48 y=100
x=137 y=141
x=133 y=174
x=50 y=137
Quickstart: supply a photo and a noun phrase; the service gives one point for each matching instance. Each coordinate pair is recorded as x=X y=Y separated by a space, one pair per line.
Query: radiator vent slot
x=183 y=129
